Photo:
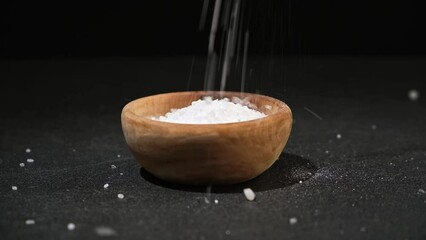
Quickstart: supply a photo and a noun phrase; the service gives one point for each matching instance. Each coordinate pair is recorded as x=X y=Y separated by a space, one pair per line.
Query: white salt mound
x=209 y=111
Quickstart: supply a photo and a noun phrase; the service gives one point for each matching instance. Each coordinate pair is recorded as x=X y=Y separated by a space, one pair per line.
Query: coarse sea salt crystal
x=29 y=222
x=292 y=221
x=27 y=150
x=249 y=194
x=71 y=226
x=120 y=196
x=30 y=160
x=22 y=164
x=209 y=111
x=14 y=188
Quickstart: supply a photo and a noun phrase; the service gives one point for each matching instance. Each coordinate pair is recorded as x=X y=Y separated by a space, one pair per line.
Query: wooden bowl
x=199 y=154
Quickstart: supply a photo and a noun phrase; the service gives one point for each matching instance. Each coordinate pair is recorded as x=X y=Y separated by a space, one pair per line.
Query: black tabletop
x=354 y=166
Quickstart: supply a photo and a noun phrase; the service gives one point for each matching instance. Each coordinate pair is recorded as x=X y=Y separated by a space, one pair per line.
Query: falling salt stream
x=231 y=20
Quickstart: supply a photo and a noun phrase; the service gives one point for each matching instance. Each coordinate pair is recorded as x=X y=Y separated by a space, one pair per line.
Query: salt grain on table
x=339 y=136
x=30 y=160
x=27 y=150
x=14 y=188
x=22 y=164
x=30 y=222
x=120 y=196
x=249 y=194
x=113 y=166
x=209 y=111
x=292 y=221
x=105 y=231
x=71 y=226
x=106 y=185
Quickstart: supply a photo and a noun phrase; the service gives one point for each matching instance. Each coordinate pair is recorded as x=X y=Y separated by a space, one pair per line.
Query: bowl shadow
x=287 y=170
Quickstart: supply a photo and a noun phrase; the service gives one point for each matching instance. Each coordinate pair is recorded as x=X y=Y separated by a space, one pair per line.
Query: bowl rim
x=284 y=110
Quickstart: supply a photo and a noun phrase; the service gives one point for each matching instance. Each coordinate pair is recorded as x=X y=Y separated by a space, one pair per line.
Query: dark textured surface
x=366 y=185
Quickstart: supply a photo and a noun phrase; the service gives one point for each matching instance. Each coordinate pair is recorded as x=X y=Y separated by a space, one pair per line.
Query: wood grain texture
x=205 y=153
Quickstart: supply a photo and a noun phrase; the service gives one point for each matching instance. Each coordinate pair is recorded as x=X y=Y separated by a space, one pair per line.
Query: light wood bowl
x=199 y=154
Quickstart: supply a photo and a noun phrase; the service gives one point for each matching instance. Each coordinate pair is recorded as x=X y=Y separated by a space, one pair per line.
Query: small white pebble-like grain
x=339 y=136
x=22 y=164
x=113 y=166
x=121 y=174
x=118 y=155
x=27 y=150
x=421 y=191
x=209 y=111
x=30 y=160
x=216 y=201
x=292 y=221
x=413 y=95
x=105 y=231
x=14 y=188
x=300 y=181
x=249 y=194
x=71 y=226
x=120 y=196
x=106 y=185
x=29 y=222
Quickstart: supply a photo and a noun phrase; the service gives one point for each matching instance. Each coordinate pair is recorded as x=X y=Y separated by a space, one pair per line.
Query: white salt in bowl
x=199 y=154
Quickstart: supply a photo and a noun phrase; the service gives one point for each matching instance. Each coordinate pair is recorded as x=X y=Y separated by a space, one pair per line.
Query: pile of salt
x=209 y=111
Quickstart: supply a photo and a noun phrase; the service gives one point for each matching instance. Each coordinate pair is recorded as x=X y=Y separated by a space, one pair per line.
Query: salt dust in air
x=209 y=111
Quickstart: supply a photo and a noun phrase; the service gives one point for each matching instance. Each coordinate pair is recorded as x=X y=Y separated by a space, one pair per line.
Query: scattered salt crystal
x=30 y=160
x=326 y=152
x=105 y=231
x=106 y=185
x=421 y=191
x=269 y=107
x=29 y=222
x=118 y=155
x=14 y=188
x=22 y=164
x=71 y=226
x=249 y=194
x=216 y=201
x=113 y=166
x=292 y=221
x=300 y=181
x=121 y=174
x=413 y=95
x=209 y=111
x=27 y=150
x=120 y=196
x=339 y=136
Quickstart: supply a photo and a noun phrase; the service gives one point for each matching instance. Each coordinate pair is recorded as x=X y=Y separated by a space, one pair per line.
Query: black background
x=138 y=28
